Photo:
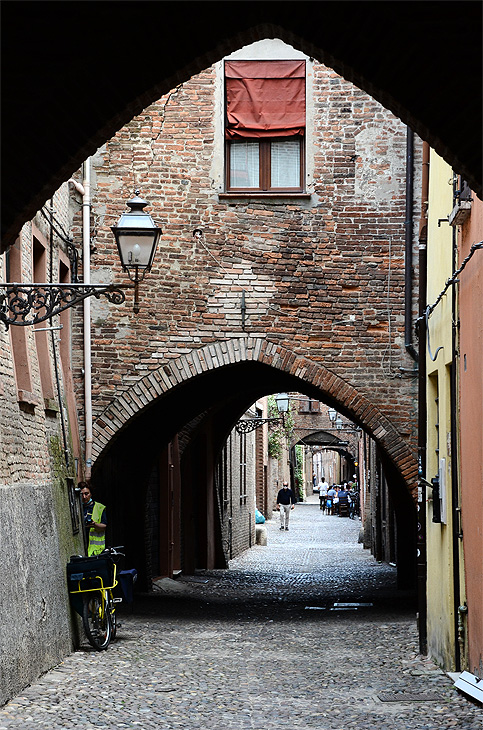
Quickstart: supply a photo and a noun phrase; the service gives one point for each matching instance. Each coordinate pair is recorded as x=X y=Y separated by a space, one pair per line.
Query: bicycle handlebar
x=114 y=550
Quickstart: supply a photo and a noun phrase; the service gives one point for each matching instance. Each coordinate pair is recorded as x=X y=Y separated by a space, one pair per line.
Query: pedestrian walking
x=323 y=489
x=285 y=503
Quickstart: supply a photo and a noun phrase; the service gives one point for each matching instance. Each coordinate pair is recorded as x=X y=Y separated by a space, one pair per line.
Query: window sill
x=50 y=406
x=27 y=401
x=260 y=195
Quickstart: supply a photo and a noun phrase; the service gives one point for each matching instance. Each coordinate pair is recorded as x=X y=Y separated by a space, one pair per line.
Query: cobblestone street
x=265 y=645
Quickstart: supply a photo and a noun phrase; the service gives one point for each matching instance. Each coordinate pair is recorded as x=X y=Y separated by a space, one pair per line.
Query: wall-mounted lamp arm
x=250 y=424
x=28 y=304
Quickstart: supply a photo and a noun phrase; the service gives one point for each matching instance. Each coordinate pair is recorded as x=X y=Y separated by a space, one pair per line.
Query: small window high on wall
x=265 y=126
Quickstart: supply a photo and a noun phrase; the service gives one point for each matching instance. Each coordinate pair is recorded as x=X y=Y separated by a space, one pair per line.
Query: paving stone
x=256 y=647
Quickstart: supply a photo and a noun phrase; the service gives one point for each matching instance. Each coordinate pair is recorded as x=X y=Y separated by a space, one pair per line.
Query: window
x=39 y=254
x=265 y=126
x=243 y=468
x=18 y=335
x=65 y=322
x=309 y=406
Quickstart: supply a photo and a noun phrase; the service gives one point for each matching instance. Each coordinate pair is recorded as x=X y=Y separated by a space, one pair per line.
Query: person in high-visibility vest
x=95 y=520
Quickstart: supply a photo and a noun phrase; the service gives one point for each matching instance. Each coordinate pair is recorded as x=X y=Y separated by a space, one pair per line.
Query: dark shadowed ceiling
x=73 y=73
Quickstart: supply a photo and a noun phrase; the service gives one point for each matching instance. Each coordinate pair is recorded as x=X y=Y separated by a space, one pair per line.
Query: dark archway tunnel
x=189 y=426
x=70 y=80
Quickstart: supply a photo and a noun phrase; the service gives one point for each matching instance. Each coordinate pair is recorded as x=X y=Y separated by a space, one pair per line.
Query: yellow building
x=445 y=588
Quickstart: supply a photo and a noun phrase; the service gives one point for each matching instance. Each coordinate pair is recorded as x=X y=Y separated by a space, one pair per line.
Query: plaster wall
x=35 y=631
x=36 y=530
x=440 y=568
x=471 y=429
x=331 y=466
x=275 y=480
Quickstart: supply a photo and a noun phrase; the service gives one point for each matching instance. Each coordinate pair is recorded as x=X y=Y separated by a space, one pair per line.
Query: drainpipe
x=408 y=236
x=456 y=517
x=77 y=185
x=422 y=407
x=86 y=240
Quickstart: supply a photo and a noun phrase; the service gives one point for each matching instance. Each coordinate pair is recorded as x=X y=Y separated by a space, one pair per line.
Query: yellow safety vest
x=97 y=540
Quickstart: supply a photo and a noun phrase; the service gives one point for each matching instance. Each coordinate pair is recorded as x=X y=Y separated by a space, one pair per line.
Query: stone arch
x=256 y=349
x=319 y=437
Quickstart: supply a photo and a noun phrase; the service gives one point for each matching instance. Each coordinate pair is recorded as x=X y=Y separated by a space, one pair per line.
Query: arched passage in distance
x=193 y=413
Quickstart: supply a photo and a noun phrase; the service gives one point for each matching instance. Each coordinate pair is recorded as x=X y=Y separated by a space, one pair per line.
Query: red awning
x=265 y=98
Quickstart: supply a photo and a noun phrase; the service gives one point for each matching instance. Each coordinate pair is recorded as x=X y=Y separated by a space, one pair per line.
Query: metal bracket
x=250 y=424
x=28 y=304
x=243 y=309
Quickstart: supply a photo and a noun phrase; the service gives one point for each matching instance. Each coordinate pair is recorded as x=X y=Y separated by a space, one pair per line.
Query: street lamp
x=338 y=423
x=282 y=401
x=332 y=414
x=250 y=424
x=136 y=237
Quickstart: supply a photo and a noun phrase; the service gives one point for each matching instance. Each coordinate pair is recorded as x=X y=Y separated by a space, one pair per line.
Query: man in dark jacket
x=285 y=502
x=343 y=502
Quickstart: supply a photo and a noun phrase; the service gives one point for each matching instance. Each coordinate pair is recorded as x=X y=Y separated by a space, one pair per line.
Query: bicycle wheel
x=97 y=624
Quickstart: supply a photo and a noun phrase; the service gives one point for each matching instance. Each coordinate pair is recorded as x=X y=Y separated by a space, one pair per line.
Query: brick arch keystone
x=256 y=349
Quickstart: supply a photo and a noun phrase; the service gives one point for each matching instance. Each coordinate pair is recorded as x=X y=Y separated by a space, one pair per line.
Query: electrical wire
x=63 y=236
x=441 y=347
x=452 y=280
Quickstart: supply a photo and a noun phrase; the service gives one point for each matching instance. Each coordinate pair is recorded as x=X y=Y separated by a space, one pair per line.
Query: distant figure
x=285 y=502
x=335 y=510
x=354 y=500
x=331 y=494
x=344 y=502
x=323 y=489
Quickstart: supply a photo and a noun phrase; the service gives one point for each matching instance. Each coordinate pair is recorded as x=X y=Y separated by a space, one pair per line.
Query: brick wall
x=324 y=277
x=237 y=513
x=36 y=532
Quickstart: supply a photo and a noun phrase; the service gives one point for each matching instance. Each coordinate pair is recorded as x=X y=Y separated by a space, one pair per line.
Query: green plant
x=279 y=433
x=299 y=470
x=274 y=445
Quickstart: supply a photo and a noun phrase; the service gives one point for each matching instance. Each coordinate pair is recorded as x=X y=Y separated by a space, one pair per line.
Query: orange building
x=471 y=419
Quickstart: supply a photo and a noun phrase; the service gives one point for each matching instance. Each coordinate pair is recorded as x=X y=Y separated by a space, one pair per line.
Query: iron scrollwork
x=250 y=424
x=29 y=304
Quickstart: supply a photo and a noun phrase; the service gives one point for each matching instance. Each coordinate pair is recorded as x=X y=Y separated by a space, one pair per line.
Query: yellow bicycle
x=91 y=582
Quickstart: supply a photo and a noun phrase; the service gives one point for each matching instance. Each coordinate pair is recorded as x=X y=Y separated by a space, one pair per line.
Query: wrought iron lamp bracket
x=251 y=424
x=29 y=304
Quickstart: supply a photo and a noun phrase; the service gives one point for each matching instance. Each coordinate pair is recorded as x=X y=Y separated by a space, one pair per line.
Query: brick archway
x=75 y=125
x=245 y=349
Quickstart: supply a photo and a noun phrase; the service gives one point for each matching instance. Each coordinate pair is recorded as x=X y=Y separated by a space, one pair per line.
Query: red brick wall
x=324 y=277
